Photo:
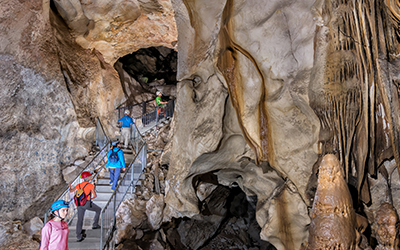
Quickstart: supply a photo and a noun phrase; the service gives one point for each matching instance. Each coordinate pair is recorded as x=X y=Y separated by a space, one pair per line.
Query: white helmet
x=158 y=92
x=126 y=112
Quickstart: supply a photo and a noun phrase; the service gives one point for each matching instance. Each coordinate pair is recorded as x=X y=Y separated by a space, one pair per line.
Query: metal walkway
x=109 y=201
x=104 y=193
x=135 y=160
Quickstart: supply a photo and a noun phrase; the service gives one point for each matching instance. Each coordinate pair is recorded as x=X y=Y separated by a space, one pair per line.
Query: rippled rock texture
x=38 y=122
x=273 y=86
x=266 y=89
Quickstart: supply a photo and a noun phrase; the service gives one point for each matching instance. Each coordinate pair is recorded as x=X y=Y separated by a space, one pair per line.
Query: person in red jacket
x=55 y=232
x=90 y=192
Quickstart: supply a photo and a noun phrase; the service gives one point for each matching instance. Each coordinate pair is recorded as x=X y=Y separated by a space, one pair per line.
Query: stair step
x=88 y=243
x=90 y=233
x=104 y=192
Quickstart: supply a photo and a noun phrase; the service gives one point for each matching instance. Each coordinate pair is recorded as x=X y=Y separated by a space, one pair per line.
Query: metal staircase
x=104 y=193
x=109 y=201
x=136 y=160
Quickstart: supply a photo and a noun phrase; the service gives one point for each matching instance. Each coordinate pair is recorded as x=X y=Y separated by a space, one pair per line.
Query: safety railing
x=101 y=136
x=136 y=138
x=126 y=184
x=98 y=162
x=164 y=111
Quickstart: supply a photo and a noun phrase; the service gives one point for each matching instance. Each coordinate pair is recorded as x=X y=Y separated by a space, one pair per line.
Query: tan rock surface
x=268 y=102
x=39 y=125
x=333 y=224
x=117 y=28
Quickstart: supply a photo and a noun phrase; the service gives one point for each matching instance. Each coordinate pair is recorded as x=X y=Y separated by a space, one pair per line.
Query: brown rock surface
x=387 y=229
x=266 y=89
x=39 y=126
x=333 y=224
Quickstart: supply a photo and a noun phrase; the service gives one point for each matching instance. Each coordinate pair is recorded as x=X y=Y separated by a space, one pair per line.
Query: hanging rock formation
x=266 y=89
x=297 y=80
x=251 y=123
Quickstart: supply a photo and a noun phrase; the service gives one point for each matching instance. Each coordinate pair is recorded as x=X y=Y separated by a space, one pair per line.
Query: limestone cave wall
x=57 y=75
x=266 y=89
x=274 y=86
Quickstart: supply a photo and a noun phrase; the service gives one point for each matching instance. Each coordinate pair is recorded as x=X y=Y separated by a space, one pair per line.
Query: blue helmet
x=58 y=204
x=114 y=143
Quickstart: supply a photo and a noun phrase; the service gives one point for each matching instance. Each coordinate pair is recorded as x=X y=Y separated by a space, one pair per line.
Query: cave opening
x=226 y=219
x=143 y=73
x=239 y=228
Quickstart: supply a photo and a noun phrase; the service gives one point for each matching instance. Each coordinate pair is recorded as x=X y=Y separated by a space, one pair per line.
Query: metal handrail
x=168 y=110
x=108 y=223
x=100 y=156
x=99 y=128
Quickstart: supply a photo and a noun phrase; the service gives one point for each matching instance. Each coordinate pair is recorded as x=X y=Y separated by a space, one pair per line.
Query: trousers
x=114 y=175
x=81 y=213
x=125 y=135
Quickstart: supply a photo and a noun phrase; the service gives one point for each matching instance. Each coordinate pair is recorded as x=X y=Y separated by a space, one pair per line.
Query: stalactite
x=359 y=32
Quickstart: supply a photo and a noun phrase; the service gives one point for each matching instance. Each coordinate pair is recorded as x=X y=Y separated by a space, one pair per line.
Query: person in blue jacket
x=126 y=121
x=115 y=164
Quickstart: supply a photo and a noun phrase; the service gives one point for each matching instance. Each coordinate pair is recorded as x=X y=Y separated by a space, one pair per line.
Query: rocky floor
x=227 y=218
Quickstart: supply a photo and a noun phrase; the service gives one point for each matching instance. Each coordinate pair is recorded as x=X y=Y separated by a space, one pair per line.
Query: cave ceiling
x=265 y=89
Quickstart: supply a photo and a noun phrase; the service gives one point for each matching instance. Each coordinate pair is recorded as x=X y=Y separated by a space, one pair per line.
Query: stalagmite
x=387 y=231
x=333 y=224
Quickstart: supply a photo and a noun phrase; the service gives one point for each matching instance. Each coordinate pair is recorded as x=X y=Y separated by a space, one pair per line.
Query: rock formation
x=57 y=75
x=266 y=89
x=252 y=123
x=387 y=231
x=293 y=87
x=333 y=224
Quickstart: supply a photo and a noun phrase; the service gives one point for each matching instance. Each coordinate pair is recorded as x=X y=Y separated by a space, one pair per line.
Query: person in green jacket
x=159 y=103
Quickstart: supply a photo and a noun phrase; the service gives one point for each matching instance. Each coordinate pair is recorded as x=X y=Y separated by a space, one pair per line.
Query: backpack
x=80 y=197
x=114 y=156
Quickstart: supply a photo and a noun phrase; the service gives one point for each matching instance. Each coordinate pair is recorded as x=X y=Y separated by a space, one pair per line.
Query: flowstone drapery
x=354 y=90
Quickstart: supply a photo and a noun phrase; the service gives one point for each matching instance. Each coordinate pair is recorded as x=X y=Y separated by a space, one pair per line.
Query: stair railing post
x=144 y=156
x=115 y=204
x=101 y=230
x=45 y=217
x=137 y=146
x=97 y=133
x=157 y=115
x=144 y=108
x=132 y=168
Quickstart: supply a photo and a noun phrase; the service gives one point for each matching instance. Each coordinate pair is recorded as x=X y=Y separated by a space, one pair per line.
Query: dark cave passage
x=152 y=64
x=145 y=72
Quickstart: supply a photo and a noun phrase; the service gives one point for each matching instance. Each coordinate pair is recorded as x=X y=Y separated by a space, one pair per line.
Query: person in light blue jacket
x=116 y=162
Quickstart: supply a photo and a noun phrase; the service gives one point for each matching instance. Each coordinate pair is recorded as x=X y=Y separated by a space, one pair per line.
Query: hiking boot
x=96 y=227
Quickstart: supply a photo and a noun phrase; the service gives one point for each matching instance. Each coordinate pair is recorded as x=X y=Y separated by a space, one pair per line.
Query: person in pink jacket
x=55 y=232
